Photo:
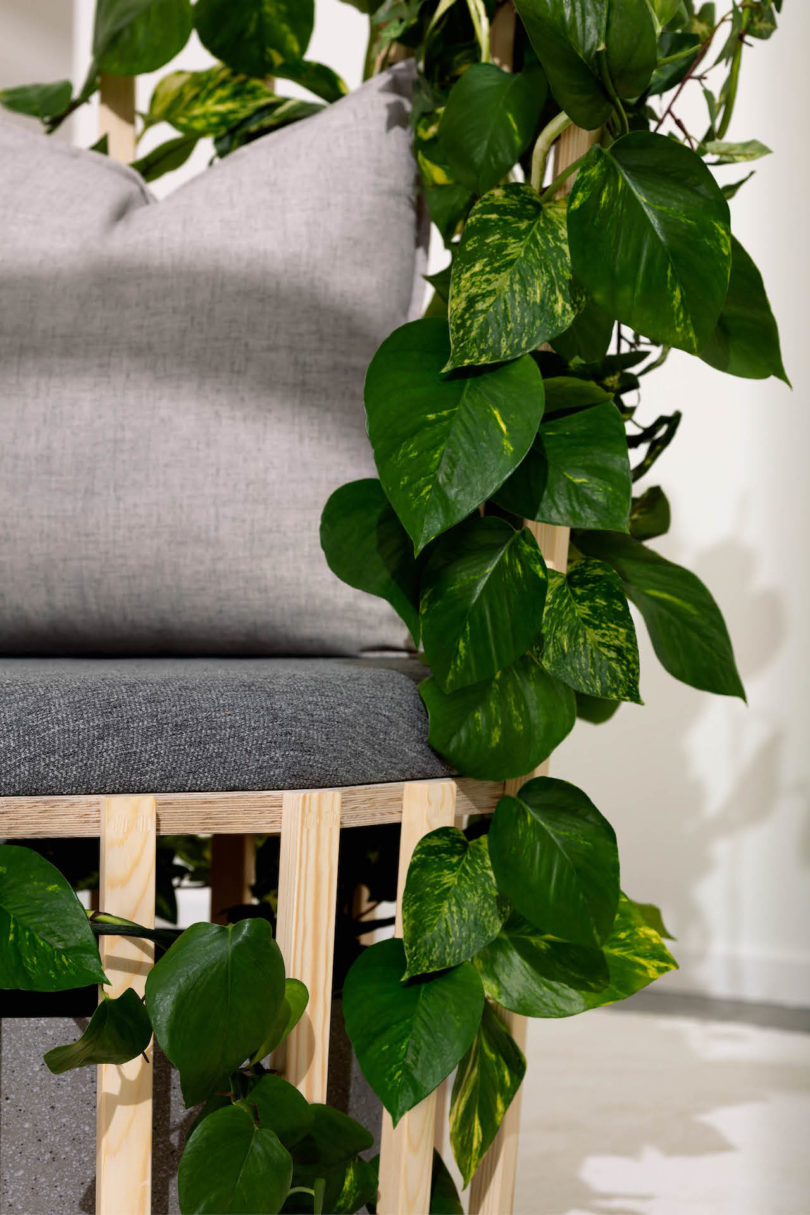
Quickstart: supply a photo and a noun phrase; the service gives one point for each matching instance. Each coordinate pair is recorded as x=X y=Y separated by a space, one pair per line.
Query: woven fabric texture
x=78 y=725
x=182 y=386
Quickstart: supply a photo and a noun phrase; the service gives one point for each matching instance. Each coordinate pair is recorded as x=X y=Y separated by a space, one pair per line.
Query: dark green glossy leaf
x=745 y=341
x=135 y=36
x=442 y=445
x=328 y=1155
x=594 y=709
x=444 y=1199
x=290 y=1012
x=279 y=1107
x=166 y=157
x=119 y=1030
x=277 y=113
x=685 y=625
x=38 y=100
x=46 y=943
x=486 y=1083
x=450 y=908
x=511 y=285
x=483 y=591
x=555 y=858
x=587 y=337
x=577 y=41
x=366 y=545
x=540 y=978
x=650 y=239
x=664 y=10
x=408 y=1037
x=448 y=205
x=577 y=469
x=568 y=394
x=670 y=74
x=231 y=1166
x=212 y=999
x=317 y=77
x=589 y=637
x=736 y=153
x=252 y=36
x=502 y=727
x=650 y=514
x=488 y=122
x=206 y=103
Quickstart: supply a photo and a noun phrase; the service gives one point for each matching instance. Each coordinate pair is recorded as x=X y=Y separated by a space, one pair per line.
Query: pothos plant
x=514 y=399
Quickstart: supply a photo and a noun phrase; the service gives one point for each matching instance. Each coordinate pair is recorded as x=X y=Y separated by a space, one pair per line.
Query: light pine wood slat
x=406 y=1152
x=124 y=1094
x=307 y=907
x=116 y=115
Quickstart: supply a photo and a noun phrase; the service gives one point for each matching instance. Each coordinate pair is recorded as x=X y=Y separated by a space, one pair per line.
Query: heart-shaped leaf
x=38 y=100
x=577 y=468
x=502 y=727
x=685 y=624
x=650 y=514
x=444 y=1199
x=510 y=289
x=408 y=1037
x=135 y=36
x=745 y=341
x=166 y=157
x=488 y=121
x=366 y=545
x=578 y=42
x=279 y=1107
x=536 y=977
x=483 y=591
x=47 y=943
x=231 y=1166
x=119 y=1030
x=486 y=1083
x=450 y=908
x=212 y=999
x=589 y=636
x=650 y=238
x=206 y=103
x=290 y=1012
x=445 y=444
x=252 y=36
x=555 y=858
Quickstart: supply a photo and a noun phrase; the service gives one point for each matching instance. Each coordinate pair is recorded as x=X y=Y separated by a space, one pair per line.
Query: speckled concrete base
x=47 y=1123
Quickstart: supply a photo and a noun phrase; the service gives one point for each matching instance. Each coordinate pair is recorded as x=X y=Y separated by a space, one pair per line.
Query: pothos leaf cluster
x=510 y=408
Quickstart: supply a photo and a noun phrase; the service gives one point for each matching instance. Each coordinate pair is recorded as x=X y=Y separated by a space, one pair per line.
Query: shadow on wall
x=655 y=772
x=638 y=1115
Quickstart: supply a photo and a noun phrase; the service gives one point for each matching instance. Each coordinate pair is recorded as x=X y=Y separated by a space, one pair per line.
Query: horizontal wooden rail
x=224 y=813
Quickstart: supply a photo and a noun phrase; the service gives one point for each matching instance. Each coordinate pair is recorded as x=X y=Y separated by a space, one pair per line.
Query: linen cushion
x=174 y=725
x=182 y=385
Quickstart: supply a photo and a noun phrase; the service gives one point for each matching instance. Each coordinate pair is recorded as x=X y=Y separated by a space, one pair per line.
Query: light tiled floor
x=648 y=1113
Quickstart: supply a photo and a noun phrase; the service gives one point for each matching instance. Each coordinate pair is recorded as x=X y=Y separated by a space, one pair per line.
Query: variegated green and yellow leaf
x=588 y=632
x=538 y=977
x=511 y=288
x=450 y=908
x=482 y=595
x=206 y=103
x=252 y=36
x=502 y=727
x=650 y=238
x=445 y=444
x=486 y=1083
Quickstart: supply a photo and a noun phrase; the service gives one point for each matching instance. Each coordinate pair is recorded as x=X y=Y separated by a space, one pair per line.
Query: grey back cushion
x=182 y=385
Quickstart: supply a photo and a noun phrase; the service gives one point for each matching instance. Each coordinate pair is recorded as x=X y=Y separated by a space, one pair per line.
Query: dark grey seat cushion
x=184 y=725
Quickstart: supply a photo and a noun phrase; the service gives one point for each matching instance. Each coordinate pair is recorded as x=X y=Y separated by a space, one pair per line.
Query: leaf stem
x=552 y=189
x=607 y=81
x=543 y=144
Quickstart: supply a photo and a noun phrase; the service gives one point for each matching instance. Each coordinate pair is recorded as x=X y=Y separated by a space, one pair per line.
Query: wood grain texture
x=307 y=907
x=116 y=115
x=256 y=813
x=124 y=1094
x=233 y=871
x=406 y=1151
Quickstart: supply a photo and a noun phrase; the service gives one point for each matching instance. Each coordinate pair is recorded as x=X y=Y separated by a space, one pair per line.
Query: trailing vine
x=514 y=399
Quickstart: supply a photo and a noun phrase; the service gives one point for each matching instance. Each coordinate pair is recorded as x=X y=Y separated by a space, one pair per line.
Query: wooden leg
x=493 y=1187
x=307 y=906
x=124 y=1100
x=233 y=872
x=406 y=1152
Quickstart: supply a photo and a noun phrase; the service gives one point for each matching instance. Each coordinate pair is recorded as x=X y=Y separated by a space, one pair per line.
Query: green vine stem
x=551 y=132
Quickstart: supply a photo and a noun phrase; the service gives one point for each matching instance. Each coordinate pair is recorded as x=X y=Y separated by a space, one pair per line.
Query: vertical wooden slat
x=124 y=1099
x=233 y=872
x=307 y=907
x=406 y=1152
x=116 y=116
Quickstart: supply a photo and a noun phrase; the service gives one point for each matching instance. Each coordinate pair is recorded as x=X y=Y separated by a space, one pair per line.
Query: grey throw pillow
x=182 y=385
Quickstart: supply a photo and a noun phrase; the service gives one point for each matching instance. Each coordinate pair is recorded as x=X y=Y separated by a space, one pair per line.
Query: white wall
x=708 y=796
